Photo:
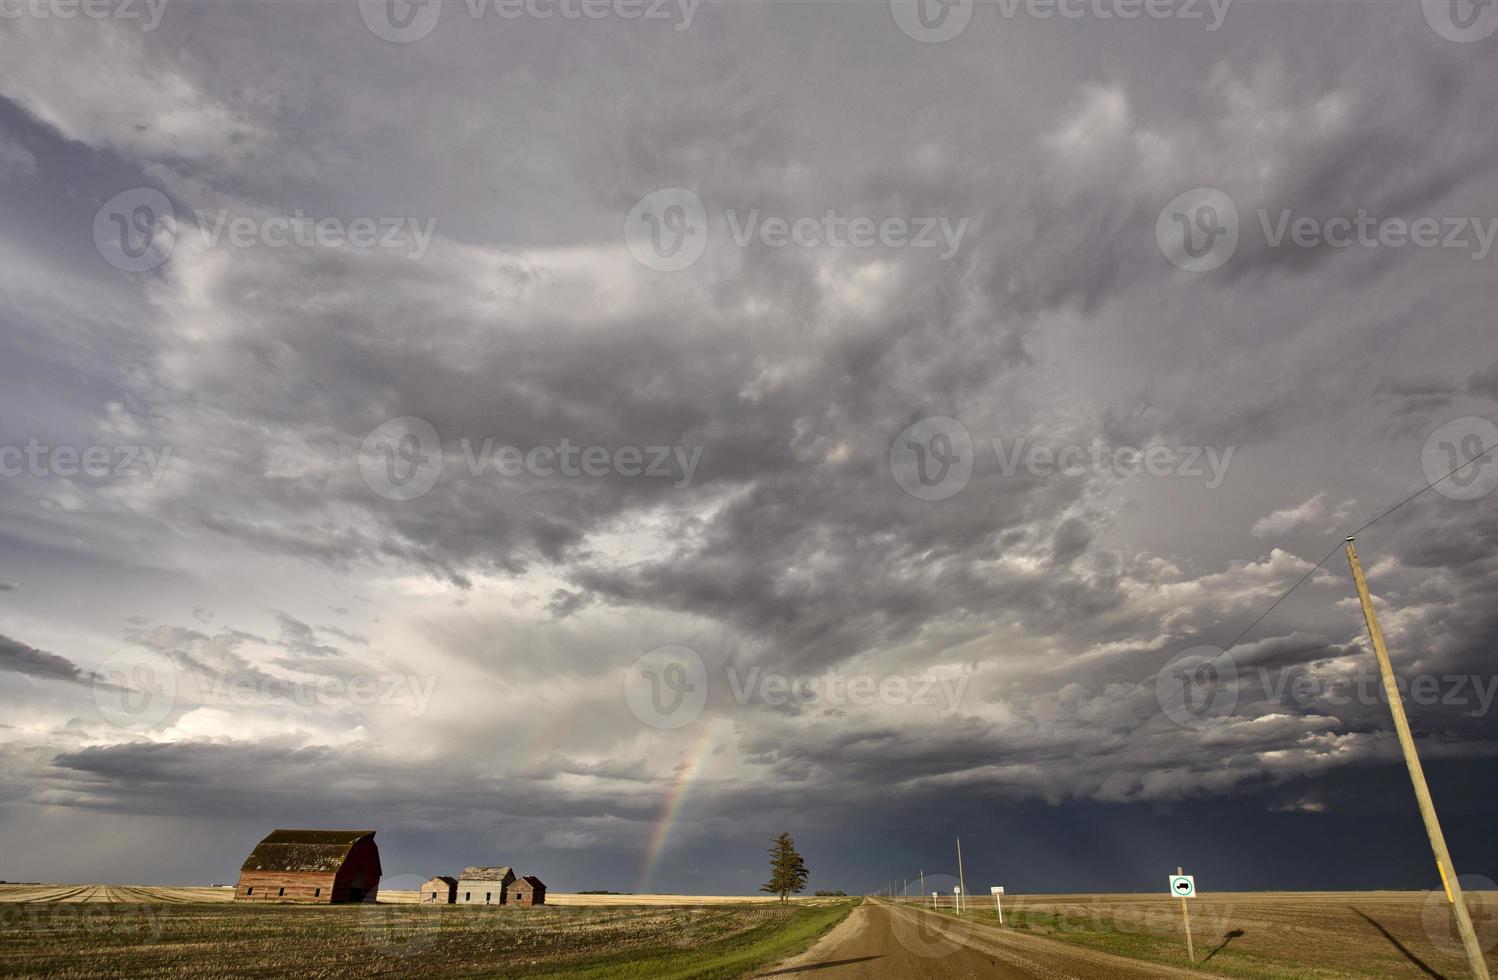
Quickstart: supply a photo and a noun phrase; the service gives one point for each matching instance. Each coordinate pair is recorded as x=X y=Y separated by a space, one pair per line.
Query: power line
x=1299 y=582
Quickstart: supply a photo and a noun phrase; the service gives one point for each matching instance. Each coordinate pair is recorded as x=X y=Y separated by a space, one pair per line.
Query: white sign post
x=957 y=897
x=1184 y=886
x=933 y=901
x=998 y=900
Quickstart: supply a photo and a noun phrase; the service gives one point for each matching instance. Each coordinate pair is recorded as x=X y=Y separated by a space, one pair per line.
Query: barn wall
x=299 y=886
x=359 y=878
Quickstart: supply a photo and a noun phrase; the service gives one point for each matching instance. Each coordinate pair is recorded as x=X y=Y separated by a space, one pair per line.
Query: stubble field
x=122 y=931
x=1263 y=934
x=98 y=931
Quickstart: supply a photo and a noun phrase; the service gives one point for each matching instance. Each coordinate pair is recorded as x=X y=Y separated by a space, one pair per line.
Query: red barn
x=320 y=866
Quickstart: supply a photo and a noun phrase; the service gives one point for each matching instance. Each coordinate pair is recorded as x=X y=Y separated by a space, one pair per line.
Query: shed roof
x=442 y=878
x=303 y=850
x=533 y=881
x=486 y=874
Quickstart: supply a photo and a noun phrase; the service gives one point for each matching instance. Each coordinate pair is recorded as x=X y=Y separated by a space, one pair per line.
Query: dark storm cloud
x=1454 y=539
x=1420 y=397
x=19 y=658
x=301 y=639
x=793 y=371
x=260 y=779
x=1485 y=383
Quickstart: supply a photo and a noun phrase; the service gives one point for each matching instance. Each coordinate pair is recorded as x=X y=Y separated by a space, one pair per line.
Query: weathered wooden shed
x=526 y=890
x=319 y=866
x=440 y=890
x=484 y=886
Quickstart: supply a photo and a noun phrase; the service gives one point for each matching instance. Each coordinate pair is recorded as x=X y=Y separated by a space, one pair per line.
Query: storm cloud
x=387 y=528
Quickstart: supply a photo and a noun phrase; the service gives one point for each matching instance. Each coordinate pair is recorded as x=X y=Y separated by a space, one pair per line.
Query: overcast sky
x=470 y=424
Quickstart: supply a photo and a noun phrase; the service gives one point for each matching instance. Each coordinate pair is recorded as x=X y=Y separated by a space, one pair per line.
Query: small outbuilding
x=440 y=890
x=316 y=866
x=484 y=886
x=527 y=890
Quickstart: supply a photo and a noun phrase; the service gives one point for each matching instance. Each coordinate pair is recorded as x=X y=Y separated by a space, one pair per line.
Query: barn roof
x=303 y=850
x=534 y=881
x=487 y=874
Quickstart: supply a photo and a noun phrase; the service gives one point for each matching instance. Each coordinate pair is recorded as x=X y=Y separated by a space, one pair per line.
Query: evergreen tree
x=788 y=872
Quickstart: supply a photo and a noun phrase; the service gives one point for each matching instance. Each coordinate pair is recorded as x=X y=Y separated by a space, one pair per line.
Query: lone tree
x=788 y=872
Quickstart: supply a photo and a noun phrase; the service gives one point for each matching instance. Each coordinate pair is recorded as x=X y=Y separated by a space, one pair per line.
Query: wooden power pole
x=1449 y=880
x=1186 y=917
x=962 y=882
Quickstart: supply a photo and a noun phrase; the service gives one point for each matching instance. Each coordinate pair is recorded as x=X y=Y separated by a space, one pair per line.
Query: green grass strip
x=723 y=959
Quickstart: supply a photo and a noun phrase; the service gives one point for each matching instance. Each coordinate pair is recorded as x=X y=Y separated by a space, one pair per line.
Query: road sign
x=1183 y=886
x=996 y=890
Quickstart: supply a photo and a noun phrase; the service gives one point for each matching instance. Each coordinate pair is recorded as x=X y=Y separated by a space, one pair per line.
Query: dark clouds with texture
x=451 y=668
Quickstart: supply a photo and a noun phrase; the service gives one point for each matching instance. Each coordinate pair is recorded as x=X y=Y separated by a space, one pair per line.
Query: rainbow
x=671 y=809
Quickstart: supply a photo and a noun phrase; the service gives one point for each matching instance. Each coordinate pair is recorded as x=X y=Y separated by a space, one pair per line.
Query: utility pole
x=961 y=881
x=922 y=892
x=1453 y=887
x=1186 y=917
